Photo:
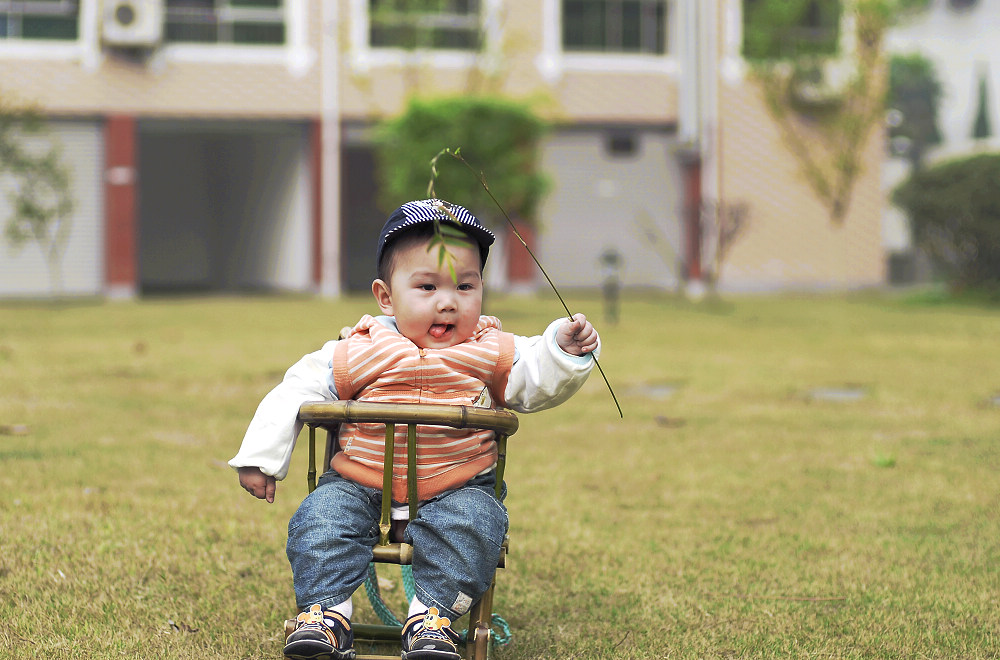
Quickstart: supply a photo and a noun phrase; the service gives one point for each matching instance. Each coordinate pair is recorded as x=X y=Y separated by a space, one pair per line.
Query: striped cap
x=422 y=211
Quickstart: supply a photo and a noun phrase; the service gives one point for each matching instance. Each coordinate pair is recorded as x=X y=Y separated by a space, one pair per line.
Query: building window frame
x=39 y=16
x=365 y=55
x=554 y=60
x=621 y=27
x=230 y=22
x=84 y=48
x=295 y=52
x=463 y=24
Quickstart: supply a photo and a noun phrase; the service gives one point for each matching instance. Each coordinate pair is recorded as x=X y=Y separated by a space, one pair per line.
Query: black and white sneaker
x=320 y=635
x=429 y=637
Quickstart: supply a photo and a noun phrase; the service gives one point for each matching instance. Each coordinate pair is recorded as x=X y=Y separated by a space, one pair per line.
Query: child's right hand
x=577 y=336
x=257 y=483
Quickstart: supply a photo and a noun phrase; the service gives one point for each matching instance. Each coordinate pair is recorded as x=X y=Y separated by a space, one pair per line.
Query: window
x=225 y=21
x=39 y=19
x=615 y=26
x=621 y=145
x=776 y=29
x=440 y=24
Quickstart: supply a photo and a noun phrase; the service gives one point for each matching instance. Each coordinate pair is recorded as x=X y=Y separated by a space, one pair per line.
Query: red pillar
x=521 y=269
x=691 y=165
x=120 y=234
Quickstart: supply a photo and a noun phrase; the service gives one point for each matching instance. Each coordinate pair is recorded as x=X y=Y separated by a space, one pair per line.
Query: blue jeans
x=456 y=538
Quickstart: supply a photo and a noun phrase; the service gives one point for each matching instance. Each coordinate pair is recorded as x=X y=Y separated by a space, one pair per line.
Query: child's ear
x=383 y=296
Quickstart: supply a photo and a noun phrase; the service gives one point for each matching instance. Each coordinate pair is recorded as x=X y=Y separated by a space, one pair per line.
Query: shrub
x=954 y=210
x=497 y=136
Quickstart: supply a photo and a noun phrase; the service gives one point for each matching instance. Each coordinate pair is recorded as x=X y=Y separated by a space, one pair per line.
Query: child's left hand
x=577 y=336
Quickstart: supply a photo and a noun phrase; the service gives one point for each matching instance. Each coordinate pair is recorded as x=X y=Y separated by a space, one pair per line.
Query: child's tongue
x=438 y=329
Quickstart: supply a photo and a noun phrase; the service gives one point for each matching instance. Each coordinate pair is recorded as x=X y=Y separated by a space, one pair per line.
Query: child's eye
x=427 y=287
x=465 y=287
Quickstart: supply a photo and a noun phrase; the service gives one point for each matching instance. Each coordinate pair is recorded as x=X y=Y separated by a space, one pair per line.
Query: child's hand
x=257 y=483
x=577 y=336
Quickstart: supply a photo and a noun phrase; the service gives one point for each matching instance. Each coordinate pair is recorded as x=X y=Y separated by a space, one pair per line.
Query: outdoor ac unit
x=133 y=23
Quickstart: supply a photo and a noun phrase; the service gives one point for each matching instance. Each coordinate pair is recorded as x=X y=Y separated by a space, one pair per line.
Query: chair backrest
x=330 y=414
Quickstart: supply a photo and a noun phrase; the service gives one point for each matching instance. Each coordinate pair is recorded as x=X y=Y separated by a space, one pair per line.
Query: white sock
x=346 y=608
x=416 y=607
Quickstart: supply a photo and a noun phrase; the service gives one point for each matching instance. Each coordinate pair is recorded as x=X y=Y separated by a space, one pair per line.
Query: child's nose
x=446 y=302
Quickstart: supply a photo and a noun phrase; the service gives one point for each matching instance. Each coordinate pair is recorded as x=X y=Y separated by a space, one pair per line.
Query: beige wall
x=179 y=89
x=180 y=80
x=638 y=90
x=186 y=80
x=791 y=241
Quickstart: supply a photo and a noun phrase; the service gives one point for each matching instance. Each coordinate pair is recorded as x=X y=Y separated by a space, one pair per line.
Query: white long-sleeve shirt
x=542 y=376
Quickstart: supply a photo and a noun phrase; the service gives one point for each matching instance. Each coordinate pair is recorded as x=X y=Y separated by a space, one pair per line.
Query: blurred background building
x=225 y=145
x=957 y=38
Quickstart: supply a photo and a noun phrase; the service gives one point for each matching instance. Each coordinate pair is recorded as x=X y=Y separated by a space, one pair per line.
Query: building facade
x=224 y=145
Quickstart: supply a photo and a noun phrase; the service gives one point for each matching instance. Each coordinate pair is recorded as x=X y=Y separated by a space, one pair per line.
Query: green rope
x=385 y=615
x=502 y=638
x=409 y=586
x=501 y=629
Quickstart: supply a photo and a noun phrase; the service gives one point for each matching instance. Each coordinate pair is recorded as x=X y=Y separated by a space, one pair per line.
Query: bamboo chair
x=330 y=414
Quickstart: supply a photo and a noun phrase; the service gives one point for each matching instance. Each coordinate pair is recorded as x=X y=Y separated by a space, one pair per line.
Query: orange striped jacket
x=376 y=363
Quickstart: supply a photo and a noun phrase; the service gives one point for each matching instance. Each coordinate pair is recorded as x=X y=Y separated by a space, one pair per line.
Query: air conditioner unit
x=132 y=23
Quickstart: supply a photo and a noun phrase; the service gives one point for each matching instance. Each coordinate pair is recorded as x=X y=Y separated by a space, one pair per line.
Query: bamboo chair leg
x=478 y=644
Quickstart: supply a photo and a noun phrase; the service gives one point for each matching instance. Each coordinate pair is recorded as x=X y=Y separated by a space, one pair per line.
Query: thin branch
x=615 y=647
x=483 y=182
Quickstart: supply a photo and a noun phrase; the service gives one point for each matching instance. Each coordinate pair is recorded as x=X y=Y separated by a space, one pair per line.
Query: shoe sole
x=320 y=655
x=424 y=654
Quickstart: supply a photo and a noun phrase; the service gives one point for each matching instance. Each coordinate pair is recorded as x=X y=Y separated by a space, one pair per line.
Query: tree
x=787 y=29
x=914 y=93
x=497 y=136
x=37 y=185
x=825 y=122
x=981 y=128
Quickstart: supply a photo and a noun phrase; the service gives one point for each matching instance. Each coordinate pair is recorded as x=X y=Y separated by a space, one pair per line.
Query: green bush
x=954 y=209
x=497 y=137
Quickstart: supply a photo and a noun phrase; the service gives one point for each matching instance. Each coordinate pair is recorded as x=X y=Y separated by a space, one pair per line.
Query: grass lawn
x=793 y=477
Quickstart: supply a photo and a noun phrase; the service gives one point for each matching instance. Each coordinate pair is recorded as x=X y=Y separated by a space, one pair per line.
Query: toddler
x=431 y=344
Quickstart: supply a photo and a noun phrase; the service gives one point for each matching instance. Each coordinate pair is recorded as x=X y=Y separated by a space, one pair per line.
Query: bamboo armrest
x=461 y=417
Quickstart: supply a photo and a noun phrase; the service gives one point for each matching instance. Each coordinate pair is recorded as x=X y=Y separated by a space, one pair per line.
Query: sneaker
x=320 y=635
x=429 y=637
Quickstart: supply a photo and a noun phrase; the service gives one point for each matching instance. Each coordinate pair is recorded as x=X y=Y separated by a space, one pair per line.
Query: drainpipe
x=698 y=126
x=691 y=172
x=689 y=133
x=328 y=230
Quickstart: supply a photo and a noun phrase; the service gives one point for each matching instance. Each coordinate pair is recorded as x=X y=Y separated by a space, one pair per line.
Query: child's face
x=432 y=310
